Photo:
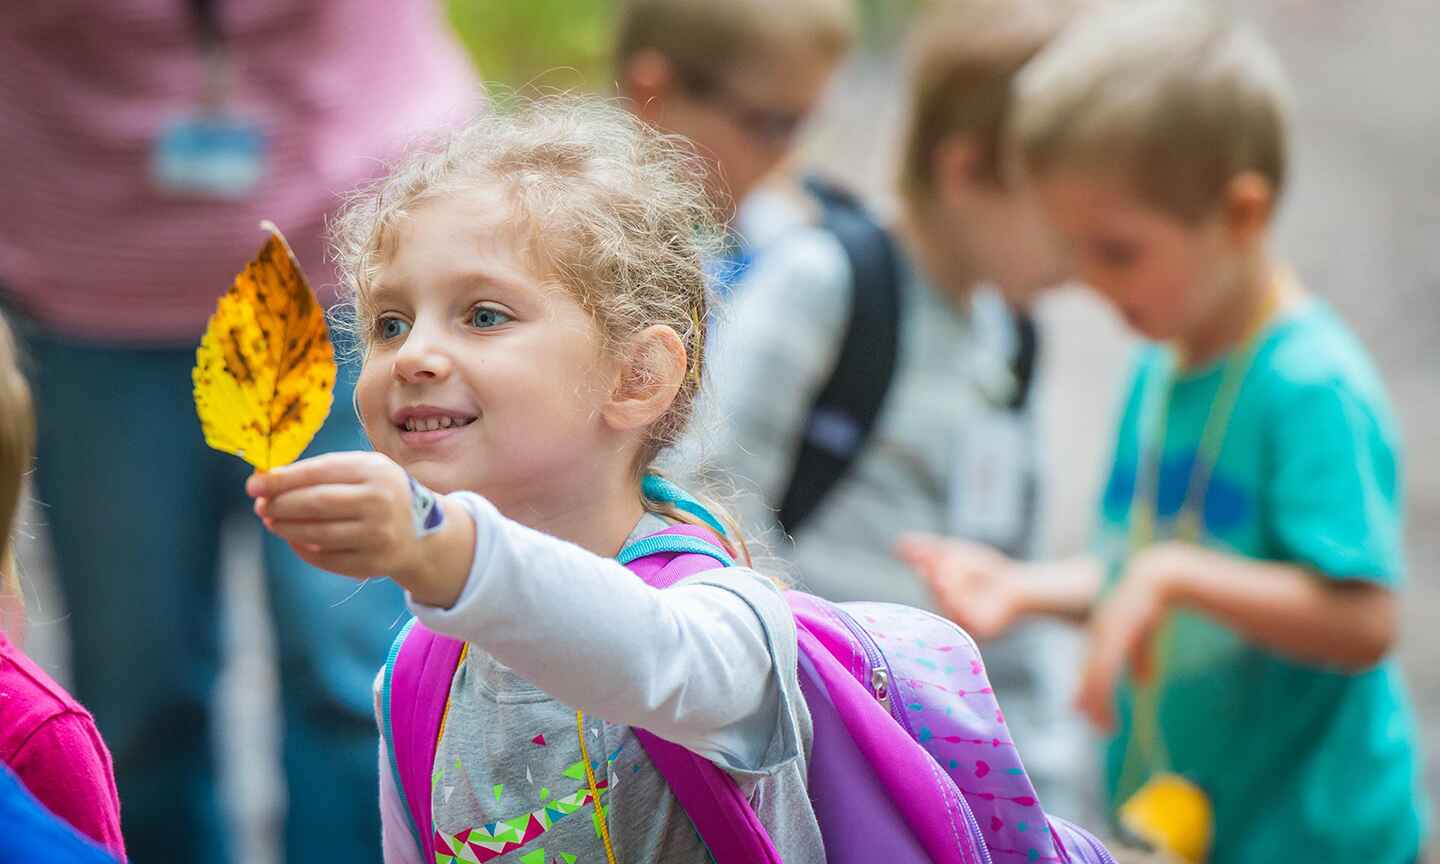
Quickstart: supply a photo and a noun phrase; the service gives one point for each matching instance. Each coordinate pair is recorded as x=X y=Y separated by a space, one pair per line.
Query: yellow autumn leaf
x=265 y=372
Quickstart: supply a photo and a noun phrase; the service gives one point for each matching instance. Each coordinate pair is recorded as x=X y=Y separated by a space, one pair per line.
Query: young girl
x=46 y=738
x=532 y=303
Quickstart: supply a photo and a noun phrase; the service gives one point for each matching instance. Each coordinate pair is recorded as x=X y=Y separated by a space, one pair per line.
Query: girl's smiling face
x=481 y=371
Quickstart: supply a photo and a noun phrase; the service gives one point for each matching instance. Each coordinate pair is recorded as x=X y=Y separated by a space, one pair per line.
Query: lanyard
x=211 y=44
x=1189 y=520
x=1144 y=503
x=1188 y=524
x=205 y=19
x=602 y=825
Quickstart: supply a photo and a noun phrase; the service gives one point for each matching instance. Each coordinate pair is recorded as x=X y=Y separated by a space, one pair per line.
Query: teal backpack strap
x=387 y=727
x=674 y=542
x=657 y=488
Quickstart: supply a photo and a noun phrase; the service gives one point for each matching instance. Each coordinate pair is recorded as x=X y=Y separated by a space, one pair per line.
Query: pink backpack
x=911 y=761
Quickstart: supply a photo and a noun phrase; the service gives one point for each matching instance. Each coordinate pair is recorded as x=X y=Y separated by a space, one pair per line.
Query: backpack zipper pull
x=880 y=683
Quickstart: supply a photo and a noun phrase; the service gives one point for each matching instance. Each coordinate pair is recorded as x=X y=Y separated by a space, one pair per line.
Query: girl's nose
x=421 y=358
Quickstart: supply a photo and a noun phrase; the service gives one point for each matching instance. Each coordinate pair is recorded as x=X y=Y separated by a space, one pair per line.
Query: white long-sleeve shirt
x=709 y=664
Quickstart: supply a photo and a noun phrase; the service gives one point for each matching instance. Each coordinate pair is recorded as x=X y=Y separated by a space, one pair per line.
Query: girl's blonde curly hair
x=17 y=449
x=615 y=210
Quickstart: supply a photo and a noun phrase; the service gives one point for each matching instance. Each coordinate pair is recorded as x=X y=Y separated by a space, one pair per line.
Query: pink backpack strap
x=416 y=688
x=721 y=813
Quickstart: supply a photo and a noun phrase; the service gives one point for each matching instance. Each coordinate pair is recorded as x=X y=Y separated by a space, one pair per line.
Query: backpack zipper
x=880 y=683
x=1080 y=835
x=880 y=675
x=880 y=680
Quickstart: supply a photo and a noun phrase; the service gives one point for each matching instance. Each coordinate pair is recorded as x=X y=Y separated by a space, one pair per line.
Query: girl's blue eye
x=482 y=318
x=391 y=328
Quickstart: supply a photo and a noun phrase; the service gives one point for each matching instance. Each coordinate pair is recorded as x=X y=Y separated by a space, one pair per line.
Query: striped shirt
x=91 y=248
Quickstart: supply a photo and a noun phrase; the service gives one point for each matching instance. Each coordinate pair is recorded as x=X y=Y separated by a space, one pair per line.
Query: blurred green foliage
x=537 y=43
x=566 y=43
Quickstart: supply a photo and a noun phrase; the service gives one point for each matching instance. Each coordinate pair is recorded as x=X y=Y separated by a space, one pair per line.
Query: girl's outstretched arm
x=1348 y=624
x=709 y=664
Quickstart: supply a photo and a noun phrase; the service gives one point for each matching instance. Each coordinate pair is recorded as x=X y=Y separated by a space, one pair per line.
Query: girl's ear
x=651 y=373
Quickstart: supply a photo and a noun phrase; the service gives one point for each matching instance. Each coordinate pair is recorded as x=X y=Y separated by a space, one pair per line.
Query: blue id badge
x=209 y=155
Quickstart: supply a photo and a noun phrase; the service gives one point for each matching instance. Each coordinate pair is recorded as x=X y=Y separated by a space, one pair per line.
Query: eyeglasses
x=767 y=126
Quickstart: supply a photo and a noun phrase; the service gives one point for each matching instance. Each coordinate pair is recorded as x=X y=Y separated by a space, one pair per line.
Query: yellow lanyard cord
x=601 y=825
x=444 y=716
x=600 y=822
x=1147 y=736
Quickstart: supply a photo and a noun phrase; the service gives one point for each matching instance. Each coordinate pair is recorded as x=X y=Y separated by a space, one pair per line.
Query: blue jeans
x=134 y=501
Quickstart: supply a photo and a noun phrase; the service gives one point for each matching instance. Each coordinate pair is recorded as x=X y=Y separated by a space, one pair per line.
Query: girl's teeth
x=430 y=424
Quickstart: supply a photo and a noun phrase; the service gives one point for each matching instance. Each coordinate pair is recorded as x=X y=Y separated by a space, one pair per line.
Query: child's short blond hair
x=715 y=36
x=964 y=56
x=17 y=447
x=1174 y=96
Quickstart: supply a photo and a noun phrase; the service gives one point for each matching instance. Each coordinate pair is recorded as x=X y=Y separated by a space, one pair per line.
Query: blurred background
x=1361 y=224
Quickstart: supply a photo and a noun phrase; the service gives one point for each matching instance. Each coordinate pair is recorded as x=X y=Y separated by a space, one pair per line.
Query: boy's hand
x=1123 y=630
x=348 y=513
x=974 y=586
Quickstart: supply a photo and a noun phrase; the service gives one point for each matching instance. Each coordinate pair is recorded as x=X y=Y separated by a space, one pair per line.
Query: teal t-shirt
x=1301 y=762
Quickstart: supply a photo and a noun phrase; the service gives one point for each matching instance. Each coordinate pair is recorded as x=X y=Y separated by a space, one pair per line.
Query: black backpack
x=844 y=413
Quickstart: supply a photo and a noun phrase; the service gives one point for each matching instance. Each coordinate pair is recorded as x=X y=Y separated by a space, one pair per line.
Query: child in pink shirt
x=46 y=738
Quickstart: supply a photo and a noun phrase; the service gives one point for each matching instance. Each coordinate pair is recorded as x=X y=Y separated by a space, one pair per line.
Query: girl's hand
x=348 y=513
x=1123 y=630
x=974 y=586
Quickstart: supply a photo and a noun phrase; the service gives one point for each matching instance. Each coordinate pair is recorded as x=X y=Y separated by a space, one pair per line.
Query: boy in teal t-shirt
x=1307 y=474
x=1243 y=602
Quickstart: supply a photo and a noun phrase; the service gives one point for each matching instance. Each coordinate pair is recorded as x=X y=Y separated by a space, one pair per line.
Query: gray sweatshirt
x=946 y=456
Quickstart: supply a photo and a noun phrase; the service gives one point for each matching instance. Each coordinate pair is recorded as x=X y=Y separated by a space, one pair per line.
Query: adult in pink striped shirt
x=142 y=141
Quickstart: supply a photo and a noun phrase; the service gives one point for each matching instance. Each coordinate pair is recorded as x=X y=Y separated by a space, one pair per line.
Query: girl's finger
x=327 y=502
x=331 y=537
x=343 y=564
x=352 y=467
